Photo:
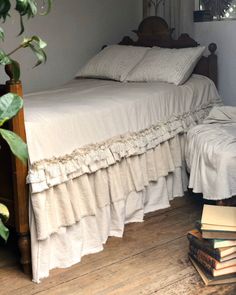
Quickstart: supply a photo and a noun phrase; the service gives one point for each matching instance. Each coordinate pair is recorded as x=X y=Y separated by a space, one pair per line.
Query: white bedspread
x=211 y=155
x=90 y=124
x=96 y=149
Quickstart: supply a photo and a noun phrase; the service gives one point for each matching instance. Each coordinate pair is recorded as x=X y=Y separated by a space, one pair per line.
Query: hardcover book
x=219 y=218
x=206 y=226
x=209 y=279
x=228 y=257
x=211 y=270
x=221 y=254
x=223 y=243
x=204 y=258
x=216 y=234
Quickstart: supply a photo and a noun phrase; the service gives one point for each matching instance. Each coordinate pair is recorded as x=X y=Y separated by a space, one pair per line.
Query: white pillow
x=114 y=62
x=167 y=65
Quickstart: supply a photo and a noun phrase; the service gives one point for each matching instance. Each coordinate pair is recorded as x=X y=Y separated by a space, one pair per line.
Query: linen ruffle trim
x=50 y=172
x=69 y=202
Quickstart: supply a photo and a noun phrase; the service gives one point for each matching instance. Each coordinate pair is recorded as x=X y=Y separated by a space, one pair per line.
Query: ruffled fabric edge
x=51 y=172
x=69 y=244
x=69 y=202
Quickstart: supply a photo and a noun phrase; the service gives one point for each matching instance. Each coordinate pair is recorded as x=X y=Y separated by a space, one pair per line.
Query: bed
x=122 y=154
x=211 y=155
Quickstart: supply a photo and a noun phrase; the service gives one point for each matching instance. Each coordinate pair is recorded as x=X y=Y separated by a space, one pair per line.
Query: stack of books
x=212 y=245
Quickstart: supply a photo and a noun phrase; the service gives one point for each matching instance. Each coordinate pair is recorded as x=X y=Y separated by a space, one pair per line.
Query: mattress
x=102 y=154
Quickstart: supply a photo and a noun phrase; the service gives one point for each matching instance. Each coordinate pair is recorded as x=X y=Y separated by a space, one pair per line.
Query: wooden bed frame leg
x=21 y=193
x=25 y=252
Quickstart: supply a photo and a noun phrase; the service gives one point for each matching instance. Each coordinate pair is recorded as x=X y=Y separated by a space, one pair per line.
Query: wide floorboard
x=150 y=259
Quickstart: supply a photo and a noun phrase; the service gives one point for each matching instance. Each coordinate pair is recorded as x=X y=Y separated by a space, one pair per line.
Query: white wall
x=178 y=14
x=74 y=30
x=223 y=34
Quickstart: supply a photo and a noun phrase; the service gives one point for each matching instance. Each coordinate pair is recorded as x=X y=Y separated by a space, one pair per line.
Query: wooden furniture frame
x=153 y=31
x=13 y=188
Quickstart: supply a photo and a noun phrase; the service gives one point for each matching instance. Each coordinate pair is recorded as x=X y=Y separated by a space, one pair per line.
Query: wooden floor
x=150 y=259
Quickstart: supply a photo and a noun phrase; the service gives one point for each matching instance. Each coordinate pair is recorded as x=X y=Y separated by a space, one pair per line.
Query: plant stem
x=13 y=51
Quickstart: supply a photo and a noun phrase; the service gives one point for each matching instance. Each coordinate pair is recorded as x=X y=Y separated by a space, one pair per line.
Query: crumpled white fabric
x=211 y=155
x=221 y=115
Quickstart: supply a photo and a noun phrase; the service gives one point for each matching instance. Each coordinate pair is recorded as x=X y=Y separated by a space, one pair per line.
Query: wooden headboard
x=154 y=31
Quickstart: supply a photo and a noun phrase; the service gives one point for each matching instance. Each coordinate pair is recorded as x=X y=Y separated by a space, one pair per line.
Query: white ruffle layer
x=70 y=244
x=48 y=173
x=69 y=202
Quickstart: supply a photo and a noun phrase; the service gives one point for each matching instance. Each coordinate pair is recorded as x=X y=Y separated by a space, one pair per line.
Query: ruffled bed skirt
x=65 y=227
x=76 y=217
x=69 y=244
x=80 y=198
x=69 y=202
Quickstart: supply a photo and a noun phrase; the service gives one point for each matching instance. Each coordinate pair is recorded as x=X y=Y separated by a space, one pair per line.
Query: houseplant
x=4 y=215
x=10 y=103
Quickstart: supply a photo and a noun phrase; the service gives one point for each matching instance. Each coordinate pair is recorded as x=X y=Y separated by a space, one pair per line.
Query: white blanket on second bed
x=211 y=155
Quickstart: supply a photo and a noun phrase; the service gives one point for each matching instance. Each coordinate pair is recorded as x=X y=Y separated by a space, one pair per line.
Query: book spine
x=206 y=266
x=204 y=246
x=218 y=235
x=203 y=258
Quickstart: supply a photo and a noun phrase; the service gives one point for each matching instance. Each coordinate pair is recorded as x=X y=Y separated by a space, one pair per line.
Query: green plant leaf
x=35 y=41
x=22 y=28
x=22 y=6
x=39 y=42
x=4 y=231
x=2 y=36
x=49 y=7
x=5 y=6
x=32 y=8
x=16 y=144
x=40 y=55
x=10 y=104
x=4 y=213
x=26 y=7
x=37 y=45
x=4 y=58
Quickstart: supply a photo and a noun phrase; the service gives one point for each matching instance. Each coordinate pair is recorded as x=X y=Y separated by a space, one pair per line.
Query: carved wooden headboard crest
x=154 y=31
